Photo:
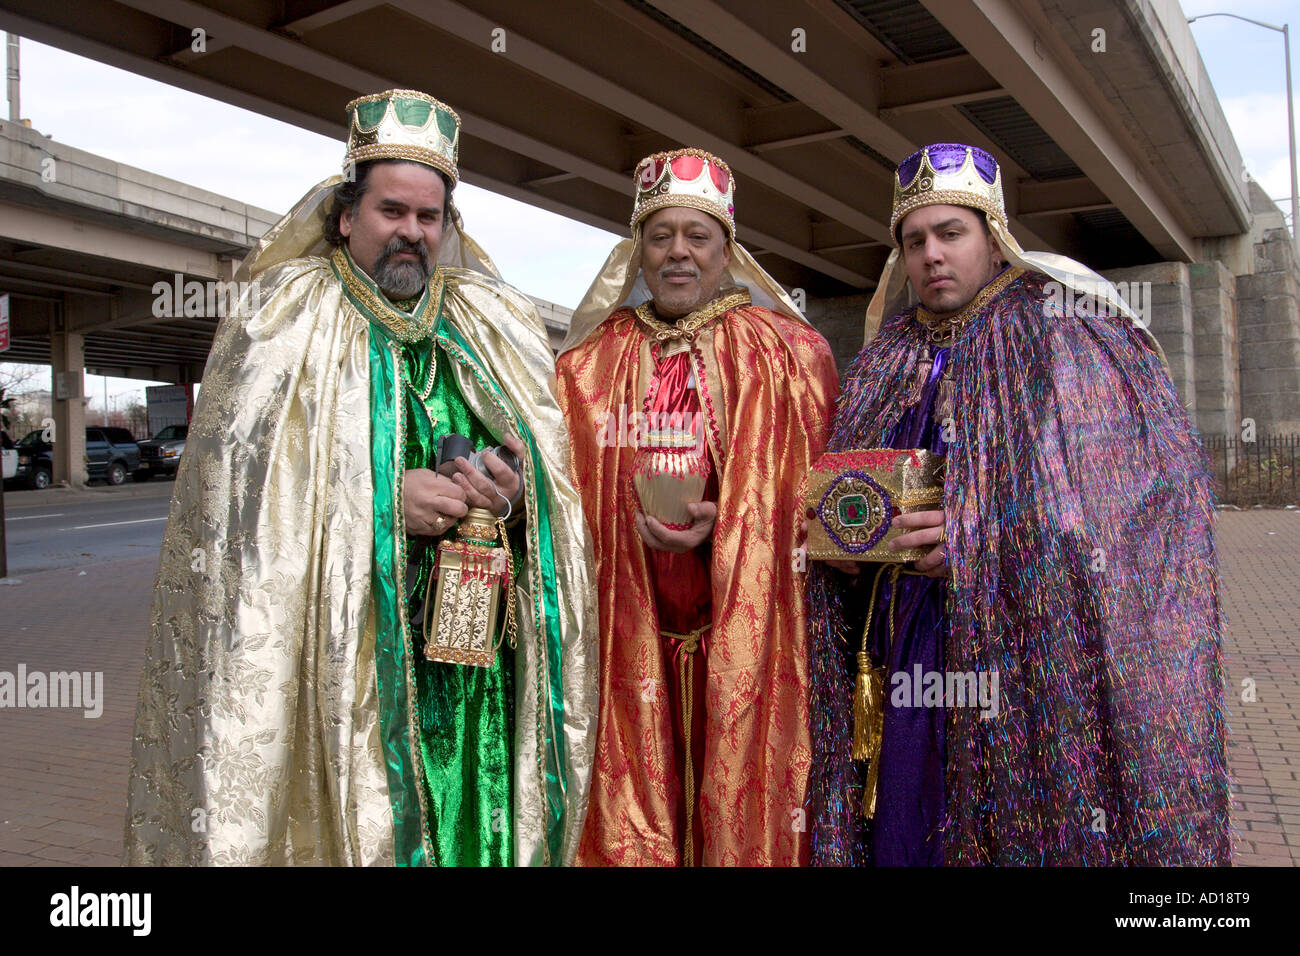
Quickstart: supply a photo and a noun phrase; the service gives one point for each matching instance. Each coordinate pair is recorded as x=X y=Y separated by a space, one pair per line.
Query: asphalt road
x=46 y=530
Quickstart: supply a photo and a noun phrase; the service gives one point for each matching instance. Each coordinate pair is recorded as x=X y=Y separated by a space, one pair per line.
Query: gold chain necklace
x=942 y=330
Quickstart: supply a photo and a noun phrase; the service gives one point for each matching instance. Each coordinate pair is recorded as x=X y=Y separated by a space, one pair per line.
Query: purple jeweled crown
x=949 y=173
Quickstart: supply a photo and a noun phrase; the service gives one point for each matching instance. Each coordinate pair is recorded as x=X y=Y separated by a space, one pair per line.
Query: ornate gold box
x=854 y=495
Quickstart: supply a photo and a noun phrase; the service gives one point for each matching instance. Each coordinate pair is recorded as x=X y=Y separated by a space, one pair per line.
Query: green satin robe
x=465 y=714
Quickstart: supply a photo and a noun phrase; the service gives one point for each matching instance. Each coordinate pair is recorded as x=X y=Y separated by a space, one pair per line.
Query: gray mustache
x=397 y=246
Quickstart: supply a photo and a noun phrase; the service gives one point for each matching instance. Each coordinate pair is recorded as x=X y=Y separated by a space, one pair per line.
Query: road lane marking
x=57 y=514
x=110 y=524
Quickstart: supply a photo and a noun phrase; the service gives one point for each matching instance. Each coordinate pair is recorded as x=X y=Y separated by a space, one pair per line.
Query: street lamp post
x=1285 y=30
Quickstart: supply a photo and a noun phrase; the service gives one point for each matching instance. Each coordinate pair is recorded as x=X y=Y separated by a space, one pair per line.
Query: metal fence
x=1259 y=472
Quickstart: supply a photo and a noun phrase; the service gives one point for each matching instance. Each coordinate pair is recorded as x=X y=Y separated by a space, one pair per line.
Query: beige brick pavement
x=63 y=777
x=63 y=789
x=1260 y=552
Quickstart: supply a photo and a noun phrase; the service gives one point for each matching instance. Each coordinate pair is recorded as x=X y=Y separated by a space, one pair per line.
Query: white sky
x=258 y=160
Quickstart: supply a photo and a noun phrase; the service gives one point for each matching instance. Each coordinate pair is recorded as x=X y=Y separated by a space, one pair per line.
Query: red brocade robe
x=766 y=384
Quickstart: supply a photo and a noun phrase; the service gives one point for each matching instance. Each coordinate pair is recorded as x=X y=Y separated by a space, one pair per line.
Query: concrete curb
x=65 y=494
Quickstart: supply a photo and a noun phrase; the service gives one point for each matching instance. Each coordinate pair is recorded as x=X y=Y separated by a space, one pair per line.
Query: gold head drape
x=257 y=738
x=769 y=385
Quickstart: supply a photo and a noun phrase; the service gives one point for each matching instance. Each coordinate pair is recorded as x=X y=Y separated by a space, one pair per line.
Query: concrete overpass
x=1113 y=145
x=83 y=240
x=84 y=244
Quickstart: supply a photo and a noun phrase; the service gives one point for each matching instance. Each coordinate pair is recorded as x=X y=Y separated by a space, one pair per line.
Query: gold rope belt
x=686 y=687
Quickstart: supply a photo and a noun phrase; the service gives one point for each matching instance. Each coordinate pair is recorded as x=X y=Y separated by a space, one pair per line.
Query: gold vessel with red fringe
x=670 y=471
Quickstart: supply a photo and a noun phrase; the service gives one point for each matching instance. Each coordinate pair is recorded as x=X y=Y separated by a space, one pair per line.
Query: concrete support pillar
x=1217 y=360
x=67 y=391
x=842 y=321
x=1268 y=318
x=1161 y=295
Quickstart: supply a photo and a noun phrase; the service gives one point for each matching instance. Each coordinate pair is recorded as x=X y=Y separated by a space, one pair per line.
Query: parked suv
x=161 y=455
x=111 y=454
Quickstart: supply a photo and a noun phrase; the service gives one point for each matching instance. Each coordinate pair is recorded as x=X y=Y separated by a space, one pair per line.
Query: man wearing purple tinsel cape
x=1070 y=578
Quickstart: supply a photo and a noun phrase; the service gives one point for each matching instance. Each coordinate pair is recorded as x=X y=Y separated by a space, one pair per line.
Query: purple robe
x=1083 y=573
x=909 y=792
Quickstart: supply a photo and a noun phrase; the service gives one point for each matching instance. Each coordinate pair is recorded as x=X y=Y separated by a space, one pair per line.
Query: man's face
x=395 y=229
x=684 y=253
x=949 y=256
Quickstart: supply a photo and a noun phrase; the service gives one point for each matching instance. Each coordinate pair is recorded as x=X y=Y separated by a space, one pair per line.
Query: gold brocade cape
x=767 y=387
x=257 y=735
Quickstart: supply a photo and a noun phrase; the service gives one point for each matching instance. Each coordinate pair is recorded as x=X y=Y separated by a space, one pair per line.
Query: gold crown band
x=656 y=203
x=417 y=154
x=953 y=197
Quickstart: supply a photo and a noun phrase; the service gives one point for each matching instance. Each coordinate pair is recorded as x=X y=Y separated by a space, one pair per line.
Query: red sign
x=4 y=322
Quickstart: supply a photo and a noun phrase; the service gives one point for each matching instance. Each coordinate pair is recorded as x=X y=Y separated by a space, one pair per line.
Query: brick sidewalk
x=1261 y=571
x=63 y=797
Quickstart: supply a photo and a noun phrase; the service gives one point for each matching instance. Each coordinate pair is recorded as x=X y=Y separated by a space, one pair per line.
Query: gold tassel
x=861 y=704
x=868 y=709
x=869 y=698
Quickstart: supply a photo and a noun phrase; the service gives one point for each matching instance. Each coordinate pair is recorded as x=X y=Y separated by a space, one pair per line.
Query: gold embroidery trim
x=403 y=618
x=403 y=327
x=687 y=326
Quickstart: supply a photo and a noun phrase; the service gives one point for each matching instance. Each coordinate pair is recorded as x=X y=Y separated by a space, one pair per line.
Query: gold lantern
x=460 y=623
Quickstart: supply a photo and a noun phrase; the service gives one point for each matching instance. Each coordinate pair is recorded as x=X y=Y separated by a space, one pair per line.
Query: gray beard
x=401 y=280
x=681 y=304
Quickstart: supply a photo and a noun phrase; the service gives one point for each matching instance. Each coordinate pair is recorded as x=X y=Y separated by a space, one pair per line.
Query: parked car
x=111 y=454
x=35 y=464
x=161 y=455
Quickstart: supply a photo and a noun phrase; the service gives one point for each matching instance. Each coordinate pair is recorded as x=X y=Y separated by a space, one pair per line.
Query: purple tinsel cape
x=1081 y=546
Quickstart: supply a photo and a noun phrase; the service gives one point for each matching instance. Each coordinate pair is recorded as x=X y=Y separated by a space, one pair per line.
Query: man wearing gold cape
x=287 y=714
x=696 y=397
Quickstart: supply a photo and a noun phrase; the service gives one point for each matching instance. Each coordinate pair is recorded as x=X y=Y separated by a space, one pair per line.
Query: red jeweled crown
x=686 y=177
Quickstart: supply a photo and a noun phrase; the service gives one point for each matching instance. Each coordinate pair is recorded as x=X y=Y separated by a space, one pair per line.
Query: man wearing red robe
x=697 y=397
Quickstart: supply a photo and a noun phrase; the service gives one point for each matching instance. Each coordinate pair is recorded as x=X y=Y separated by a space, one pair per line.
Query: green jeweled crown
x=403 y=124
